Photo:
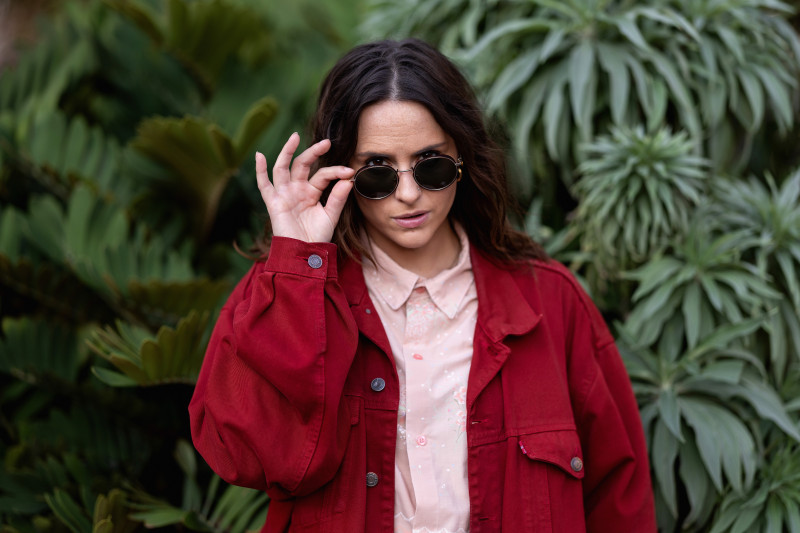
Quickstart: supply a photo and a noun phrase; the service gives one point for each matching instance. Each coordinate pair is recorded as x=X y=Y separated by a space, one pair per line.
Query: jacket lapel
x=351 y=279
x=502 y=311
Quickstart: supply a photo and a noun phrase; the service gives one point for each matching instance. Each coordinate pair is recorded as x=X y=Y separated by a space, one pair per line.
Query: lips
x=412 y=220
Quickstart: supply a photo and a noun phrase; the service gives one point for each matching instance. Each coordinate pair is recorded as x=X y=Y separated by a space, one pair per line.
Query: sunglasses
x=432 y=173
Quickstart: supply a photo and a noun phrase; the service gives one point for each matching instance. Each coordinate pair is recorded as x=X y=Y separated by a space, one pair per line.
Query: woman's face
x=411 y=220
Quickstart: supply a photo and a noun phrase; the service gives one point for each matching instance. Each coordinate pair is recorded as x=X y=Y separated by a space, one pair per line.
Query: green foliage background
x=654 y=148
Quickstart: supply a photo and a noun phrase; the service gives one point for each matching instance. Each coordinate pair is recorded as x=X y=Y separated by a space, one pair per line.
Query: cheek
x=370 y=209
x=450 y=199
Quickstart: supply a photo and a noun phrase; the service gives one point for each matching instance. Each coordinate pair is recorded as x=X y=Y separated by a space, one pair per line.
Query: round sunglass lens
x=435 y=173
x=376 y=182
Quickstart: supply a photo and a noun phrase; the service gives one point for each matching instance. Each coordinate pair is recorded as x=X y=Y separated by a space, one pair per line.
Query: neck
x=438 y=254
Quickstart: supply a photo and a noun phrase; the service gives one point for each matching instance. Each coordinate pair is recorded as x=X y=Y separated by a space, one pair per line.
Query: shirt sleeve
x=617 y=485
x=268 y=410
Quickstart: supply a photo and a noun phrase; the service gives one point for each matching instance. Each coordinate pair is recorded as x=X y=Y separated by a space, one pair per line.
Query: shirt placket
x=420 y=315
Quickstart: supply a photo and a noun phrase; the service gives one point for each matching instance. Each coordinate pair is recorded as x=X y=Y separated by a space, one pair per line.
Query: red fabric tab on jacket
x=312 y=259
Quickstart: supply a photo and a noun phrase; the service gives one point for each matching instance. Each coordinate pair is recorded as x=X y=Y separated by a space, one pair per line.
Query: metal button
x=314 y=261
x=372 y=479
x=576 y=464
x=378 y=384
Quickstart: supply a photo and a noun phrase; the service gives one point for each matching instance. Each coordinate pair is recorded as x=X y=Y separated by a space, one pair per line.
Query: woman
x=403 y=360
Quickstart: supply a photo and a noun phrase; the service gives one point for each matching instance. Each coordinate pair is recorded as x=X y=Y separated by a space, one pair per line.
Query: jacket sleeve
x=268 y=410
x=618 y=494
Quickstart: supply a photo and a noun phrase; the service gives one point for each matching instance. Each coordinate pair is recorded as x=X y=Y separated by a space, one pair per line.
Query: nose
x=407 y=191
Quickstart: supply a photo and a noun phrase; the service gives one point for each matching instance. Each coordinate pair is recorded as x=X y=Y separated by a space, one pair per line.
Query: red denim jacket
x=288 y=402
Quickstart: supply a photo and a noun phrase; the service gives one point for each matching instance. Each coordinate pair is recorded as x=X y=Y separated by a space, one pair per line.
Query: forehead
x=393 y=124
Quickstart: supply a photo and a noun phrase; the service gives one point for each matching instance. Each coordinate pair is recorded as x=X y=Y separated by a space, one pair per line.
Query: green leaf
x=506 y=29
x=767 y=403
x=553 y=119
x=612 y=60
x=670 y=412
x=664 y=453
x=695 y=480
x=256 y=120
x=780 y=99
x=628 y=28
x=173 y=355
x=114 y=379
x=755 y=96
x=161 y=517
x=582 y=82
x=691 y=313
x=68 y=511
x=731 y=40
x=513 y=76
x=723 y=441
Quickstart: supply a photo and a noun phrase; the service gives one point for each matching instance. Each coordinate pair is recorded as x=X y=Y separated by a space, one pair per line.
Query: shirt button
x=421 y=440
x=576 y=464
x=314 y=261
x=372 y=479
x=377 y=384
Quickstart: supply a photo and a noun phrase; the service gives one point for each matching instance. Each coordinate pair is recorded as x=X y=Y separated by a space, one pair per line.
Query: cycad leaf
x=37 y=349
x=201 y=157
x=173 y=355
x=258 y=117
x=68 y=511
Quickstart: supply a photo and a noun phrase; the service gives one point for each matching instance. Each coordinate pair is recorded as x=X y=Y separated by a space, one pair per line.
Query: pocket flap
x=560 y=448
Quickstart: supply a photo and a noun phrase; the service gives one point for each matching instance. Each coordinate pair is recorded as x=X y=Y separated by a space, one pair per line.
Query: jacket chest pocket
x=551 y=470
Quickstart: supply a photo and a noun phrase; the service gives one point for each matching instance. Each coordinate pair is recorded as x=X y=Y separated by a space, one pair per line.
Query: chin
x=410 y=239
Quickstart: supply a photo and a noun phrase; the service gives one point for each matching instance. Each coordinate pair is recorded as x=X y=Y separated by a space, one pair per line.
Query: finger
x=280 y=172
x=262 y=175
x=302 y=163
x=337 y=199
x=325 y=175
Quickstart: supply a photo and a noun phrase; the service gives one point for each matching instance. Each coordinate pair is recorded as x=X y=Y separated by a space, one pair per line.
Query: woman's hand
x=292 y=199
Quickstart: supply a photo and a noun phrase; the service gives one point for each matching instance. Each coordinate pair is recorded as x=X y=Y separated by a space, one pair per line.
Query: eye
x=376 y=161
x=426 y=155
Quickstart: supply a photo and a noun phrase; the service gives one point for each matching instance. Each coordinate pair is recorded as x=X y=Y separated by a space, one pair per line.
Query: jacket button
x=372 y=479
x=576 y=464
x=377 y=384
x=314 y=261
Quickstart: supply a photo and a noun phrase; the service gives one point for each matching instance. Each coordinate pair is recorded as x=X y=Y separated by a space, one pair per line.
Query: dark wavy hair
x=412 y=70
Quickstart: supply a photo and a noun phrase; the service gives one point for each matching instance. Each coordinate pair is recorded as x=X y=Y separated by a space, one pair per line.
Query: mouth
x=411 y=220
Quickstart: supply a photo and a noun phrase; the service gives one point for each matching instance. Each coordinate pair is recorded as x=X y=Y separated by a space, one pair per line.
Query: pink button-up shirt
x=430 y=324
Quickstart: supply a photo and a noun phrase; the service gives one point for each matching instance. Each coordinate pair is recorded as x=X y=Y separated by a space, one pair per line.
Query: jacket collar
x=502 y=308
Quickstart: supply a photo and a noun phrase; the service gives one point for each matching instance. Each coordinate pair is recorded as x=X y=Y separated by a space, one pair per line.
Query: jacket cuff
x=310 y=259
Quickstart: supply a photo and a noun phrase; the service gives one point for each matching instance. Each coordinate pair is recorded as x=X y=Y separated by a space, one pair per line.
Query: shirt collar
x=394 y=284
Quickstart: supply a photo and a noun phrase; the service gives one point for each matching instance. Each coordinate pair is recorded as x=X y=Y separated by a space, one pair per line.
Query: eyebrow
x=370 y=155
